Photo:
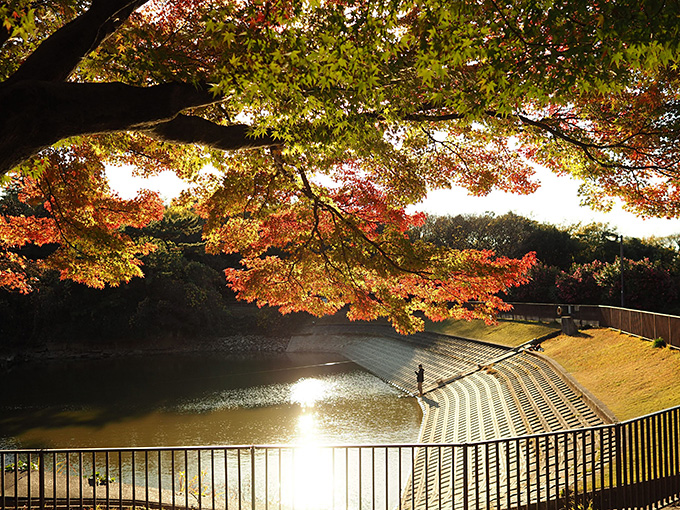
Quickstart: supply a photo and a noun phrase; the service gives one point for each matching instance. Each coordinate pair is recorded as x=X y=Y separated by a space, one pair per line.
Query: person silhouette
x=420 y=378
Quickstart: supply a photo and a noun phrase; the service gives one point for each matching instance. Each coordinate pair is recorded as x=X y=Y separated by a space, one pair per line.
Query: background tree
x=580 y=285
x=541 y=288
x=648 y=285
x=384 y=100
x=576 y=263
x=509 y=235
x=182 y=297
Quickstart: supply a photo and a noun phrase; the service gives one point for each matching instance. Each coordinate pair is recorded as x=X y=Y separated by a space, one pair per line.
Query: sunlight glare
x=313 y=479
x=306 y=392
x=307 y=423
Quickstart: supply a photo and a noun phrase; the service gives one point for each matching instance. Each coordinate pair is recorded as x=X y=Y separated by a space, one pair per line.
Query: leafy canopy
x=322 y=121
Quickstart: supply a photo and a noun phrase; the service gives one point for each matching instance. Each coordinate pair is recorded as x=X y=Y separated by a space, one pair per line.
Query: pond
x=201 y=399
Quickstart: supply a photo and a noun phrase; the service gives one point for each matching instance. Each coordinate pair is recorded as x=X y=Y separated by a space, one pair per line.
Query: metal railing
x=587 y=314
x=644 y=324
x=633 y=464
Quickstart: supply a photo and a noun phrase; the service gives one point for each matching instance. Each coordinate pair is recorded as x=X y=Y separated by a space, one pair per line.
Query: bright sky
x=127 y=185
x=555 y=202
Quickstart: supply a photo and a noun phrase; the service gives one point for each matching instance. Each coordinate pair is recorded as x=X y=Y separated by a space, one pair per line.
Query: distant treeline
x=577 y=263
x=184 y=295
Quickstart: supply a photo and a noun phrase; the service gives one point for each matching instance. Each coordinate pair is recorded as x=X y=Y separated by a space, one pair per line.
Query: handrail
x=627 y=464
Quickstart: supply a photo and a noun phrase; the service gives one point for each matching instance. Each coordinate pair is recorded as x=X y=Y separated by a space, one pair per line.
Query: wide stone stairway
x=474 y=391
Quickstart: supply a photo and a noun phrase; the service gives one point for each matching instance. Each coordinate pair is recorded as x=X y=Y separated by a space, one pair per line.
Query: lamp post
x=618 y=237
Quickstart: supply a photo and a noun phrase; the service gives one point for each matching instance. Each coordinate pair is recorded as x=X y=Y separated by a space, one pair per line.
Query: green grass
x=629 y=375
x=510 y=333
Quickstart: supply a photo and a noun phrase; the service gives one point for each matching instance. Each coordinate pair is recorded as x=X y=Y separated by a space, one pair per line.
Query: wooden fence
x=647 y=325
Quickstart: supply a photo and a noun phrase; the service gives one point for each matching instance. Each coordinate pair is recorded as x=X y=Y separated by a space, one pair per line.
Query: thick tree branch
x=188 y=129
x=344 y=218
x=37 y=114
x=588 y=148
x=59 y=54
x=421 y=115
x=433 y=118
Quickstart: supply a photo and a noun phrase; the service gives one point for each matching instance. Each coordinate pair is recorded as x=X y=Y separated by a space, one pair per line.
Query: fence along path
x=475 y=392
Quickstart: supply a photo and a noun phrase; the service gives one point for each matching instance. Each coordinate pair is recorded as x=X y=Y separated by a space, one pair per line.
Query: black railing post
x=673 y=453
x=41 y=478
x=465 y=478
x=2 y=479
x=625 y=456
x=252 y=478
x=619 y=459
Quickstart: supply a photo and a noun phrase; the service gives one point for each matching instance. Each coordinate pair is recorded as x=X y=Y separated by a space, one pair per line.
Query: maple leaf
x=314 y=249
x=87 y=226
x=385 y=103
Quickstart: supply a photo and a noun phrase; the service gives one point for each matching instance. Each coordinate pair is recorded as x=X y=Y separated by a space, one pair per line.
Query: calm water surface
x=201 y=399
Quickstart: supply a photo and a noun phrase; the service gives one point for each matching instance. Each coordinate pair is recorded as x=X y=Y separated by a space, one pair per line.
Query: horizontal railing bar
x=645 y=312
x=650 y=415
x=126 y=503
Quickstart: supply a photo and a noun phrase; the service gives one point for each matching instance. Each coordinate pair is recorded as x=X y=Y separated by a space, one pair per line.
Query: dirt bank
x=231 y=344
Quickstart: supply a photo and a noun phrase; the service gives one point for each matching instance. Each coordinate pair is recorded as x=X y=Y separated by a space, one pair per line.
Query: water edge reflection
x=201 y=399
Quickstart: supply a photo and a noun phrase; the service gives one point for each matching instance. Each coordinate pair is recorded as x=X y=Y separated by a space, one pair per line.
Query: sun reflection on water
x=306 y=426
x=308 y=391
x=312 y=480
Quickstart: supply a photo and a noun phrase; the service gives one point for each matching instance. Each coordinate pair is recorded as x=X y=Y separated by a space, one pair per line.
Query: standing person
x=420 y=378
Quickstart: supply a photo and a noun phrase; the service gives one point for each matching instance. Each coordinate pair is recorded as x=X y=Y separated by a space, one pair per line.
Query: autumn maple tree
x=310 y=126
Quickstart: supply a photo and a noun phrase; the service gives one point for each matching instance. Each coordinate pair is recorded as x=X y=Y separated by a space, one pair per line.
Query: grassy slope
x=626 y=373
x=505 y=332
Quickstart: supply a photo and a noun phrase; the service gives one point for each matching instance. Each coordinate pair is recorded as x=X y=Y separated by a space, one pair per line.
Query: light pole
x=618 y=237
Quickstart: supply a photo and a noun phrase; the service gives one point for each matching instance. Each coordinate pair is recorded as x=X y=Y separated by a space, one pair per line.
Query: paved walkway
x=474 y=391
